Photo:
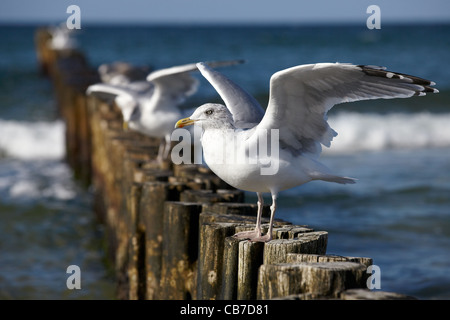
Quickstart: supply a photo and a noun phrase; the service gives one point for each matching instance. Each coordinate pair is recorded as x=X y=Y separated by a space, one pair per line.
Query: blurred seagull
x=62 y=38
x=293 y=127
x=122 y=73
x=151 y=107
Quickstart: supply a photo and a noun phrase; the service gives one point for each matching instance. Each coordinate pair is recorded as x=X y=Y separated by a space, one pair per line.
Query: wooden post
x=209 y=196
x=234 y=208
x=250 y=258
x=210 y=258
x=201 y=175
x=319 y=279
x=154 y=196
x=41 y=39
x=179 y=250
x=276 y=251
x=365 y=294
x=300 y=257
x=136 y=244
x=230 y=272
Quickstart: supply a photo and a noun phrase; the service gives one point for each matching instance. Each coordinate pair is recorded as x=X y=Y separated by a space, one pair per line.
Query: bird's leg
x=273 y=208
x=259 y=214
x=255 y=233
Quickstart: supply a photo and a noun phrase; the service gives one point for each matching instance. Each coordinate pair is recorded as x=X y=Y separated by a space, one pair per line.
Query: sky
x=223 y=11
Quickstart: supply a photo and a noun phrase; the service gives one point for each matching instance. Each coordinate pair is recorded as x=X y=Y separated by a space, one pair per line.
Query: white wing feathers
x=122 y=73
x=176 y=83
x=126 y=98
x=109 y=92
x=245 y=109
x=300 y=98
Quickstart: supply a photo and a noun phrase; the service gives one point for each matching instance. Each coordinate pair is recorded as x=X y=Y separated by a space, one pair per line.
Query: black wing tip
x=382 y=72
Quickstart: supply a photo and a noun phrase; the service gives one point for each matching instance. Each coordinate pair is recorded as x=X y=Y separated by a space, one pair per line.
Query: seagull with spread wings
x=152 y=106
x=294 y=126
x=122 y=73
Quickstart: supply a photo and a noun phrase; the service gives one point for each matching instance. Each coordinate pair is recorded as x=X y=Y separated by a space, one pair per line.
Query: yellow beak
x=125 y=125
x=184 y=122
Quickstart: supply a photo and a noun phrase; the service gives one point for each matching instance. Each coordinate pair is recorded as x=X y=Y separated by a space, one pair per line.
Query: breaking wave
x=32 y=140
x=376 y=132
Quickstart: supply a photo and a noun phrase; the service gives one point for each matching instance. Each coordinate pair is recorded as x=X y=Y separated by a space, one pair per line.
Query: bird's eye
x=208 y=112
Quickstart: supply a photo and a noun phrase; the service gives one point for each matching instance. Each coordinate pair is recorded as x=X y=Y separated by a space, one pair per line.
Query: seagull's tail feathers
x=332 y=178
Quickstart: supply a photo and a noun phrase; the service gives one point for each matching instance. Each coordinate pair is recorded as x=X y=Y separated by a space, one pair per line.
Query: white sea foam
x=32 y=140
x=31 y=166
x=27 y=180
x=374 y=132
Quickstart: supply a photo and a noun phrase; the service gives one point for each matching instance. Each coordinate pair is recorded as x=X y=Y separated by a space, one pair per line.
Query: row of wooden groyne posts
x=169 y=227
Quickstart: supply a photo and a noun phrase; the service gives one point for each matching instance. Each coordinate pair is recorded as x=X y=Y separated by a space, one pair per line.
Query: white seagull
x=122 y=73
x=151 y=107
x=62 y=38
x=293 y=127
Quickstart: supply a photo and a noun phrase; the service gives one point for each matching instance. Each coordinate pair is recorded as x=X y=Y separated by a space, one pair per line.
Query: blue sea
x=398 y=212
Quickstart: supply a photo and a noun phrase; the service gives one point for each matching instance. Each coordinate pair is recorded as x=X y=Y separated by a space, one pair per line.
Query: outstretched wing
x=300 y=98
x=106 y=92
x=126 y=99
x=122 y=73
x=175 y=84
x=246 y=111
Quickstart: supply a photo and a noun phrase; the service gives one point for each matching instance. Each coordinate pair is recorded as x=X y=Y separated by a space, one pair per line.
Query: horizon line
x=106 y=23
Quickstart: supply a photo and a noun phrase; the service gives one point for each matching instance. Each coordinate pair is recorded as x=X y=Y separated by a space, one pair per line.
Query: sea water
x=398 y=212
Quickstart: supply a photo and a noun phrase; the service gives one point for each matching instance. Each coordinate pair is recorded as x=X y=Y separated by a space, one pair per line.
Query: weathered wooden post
x=179 y=250
x=136 y=246
x=250 y=258
x=210 y=259
x=313 y=280
x=153 y=198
